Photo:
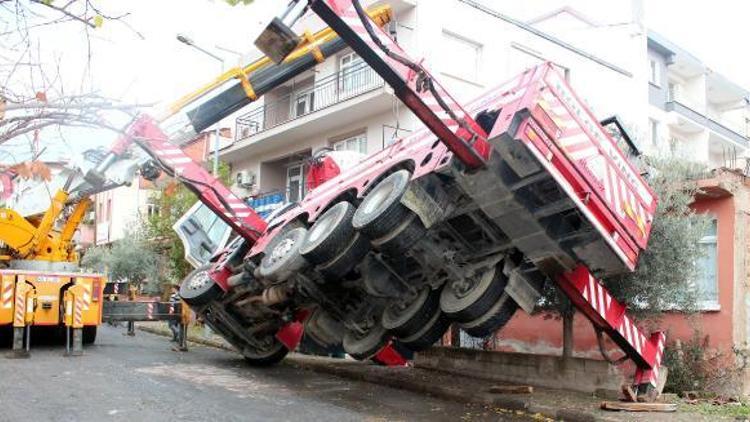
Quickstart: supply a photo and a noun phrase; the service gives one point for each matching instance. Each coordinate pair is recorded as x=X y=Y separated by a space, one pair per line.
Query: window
x=152 y=210
x=654 y=127
x=707 y=281
x=303 y=102
x=460 y=57
x=351 y=74
x=356 y=143
x=295 y=183
x=653 y=75
x=109 y=209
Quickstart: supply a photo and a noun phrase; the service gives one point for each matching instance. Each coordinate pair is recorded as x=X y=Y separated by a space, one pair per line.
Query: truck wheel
x=365 y=346
x=329 y=235
x=324 y=330
x=282 y=259
x=494 y=319
x=410 y=319
x=472 y=298
x=89 y=334
x=272 y=354
x=345 y=261
x=381 y=211
x=402 y=238
x=198 y=288
x=429 y=334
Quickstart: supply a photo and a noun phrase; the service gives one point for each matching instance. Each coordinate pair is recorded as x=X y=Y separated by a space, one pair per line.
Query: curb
x=512 y=404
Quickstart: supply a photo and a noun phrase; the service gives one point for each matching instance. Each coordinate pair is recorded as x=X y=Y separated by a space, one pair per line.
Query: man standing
x=174 y=325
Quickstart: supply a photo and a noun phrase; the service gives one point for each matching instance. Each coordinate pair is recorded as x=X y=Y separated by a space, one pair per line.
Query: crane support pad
x=141 y=311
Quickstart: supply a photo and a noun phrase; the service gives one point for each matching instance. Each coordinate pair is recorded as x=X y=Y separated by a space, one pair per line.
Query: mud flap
x=524 y=290
x=427 y=200
x=388 y=356
x=291 y=333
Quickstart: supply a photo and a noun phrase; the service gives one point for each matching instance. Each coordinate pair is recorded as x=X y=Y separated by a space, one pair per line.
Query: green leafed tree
x=131 y=258
x=664 y=278
x=171 y=203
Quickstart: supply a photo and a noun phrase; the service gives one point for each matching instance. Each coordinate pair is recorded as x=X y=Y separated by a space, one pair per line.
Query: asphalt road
x=130 y=379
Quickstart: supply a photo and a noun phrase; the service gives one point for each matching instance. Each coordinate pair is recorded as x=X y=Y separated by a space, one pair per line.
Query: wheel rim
x=281 y=250
x=318 y=230
x=457 y=297
x=271 y=346
x=199 y=281
x=375 y=199
x=396 y=316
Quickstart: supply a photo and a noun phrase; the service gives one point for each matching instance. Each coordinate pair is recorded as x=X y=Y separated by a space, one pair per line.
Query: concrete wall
x=584 y=375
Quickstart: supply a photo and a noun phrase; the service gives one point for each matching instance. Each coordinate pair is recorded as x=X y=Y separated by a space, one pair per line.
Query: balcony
x=691 y=120
x=341 y=86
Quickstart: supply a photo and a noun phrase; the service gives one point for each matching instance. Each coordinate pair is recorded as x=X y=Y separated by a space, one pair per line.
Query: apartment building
x=343 y=104
x=694 y=111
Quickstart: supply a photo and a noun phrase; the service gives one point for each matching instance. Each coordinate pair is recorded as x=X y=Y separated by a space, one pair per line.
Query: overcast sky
x=155 y=67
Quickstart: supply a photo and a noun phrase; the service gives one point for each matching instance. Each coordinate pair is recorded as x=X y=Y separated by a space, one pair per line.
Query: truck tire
x=402 y=238
x=464 y=305
x=429 y=334
x=362 y=347
x=329 y=235
x=324 y=330
x=198 y=288
x=282 y=259
x=493 y=320
x=272 y=355
x=414 y=317
x=344 y=262
x=89 y=334
x=381 y=211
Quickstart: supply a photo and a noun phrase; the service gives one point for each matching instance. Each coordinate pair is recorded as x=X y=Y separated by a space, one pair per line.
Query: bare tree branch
x=33 y=95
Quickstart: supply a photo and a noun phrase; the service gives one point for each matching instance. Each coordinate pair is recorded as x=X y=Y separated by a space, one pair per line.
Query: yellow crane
x=41 y=270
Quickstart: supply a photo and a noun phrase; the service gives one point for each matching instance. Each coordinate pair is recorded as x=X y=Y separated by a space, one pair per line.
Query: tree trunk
x=567 y=311
x=567 y=318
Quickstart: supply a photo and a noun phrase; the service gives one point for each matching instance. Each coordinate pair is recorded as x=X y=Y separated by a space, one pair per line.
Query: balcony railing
x=711 y=124
x=340 y=86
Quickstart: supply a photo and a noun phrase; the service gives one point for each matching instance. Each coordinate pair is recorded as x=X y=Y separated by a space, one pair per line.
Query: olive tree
x=131 y=258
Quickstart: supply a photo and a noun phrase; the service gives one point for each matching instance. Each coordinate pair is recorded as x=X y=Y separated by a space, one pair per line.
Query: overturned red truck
x=460 y=223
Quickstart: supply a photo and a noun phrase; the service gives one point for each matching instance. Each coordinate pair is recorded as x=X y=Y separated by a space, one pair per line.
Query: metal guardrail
x=141 y=311
x=325 y=92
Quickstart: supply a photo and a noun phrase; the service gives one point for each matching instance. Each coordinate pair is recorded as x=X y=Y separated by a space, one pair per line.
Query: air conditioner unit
x=245 y=178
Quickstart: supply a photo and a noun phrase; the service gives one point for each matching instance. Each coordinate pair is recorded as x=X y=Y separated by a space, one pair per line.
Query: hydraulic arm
x=38 y=241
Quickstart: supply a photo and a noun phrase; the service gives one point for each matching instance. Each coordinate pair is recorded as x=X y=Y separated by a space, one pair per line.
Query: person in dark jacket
x=174 y=325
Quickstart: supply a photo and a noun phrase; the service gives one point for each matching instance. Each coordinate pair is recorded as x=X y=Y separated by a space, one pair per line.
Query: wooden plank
x=512 y=389
x=638 y=407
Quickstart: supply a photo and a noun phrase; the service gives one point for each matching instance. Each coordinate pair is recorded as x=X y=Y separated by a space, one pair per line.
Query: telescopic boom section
x=228 y=206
